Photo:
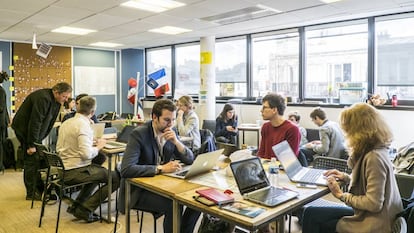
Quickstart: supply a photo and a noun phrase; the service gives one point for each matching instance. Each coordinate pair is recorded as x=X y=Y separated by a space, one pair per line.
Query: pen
x=288 y=189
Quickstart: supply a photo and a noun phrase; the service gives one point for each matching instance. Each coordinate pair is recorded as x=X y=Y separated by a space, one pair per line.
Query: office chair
x=54 y=162
x=405 y=184
x=209 y=124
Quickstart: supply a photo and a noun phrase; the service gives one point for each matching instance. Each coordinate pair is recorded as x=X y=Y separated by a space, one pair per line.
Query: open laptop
x=98 y=130
x=203 y=163
x=254 y=186
x=122 y=138
x=294 y=170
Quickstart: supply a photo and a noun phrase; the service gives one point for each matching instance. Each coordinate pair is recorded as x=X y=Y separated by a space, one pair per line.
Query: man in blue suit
x=153 y=149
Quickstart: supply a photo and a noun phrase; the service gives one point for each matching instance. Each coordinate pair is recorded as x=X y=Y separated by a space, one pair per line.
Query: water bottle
x=394 y=101
x=273 y=173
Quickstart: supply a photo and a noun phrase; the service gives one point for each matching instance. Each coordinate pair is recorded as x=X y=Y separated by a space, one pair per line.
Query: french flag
x=158 y=82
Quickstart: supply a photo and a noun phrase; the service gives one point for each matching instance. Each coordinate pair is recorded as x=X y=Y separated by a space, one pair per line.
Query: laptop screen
x=287 y=158
x=249 y=175
x=124 y=135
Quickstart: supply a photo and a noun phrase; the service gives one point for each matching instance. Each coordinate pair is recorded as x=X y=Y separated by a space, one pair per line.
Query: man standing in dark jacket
x=32 y=123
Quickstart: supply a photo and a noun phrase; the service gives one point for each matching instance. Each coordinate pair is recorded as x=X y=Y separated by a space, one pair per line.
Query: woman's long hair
x=223 y=115
x=365 y=129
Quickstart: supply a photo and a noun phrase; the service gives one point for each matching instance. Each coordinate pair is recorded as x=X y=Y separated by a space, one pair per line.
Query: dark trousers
x=96 y=173
x=323 y=219
x=150 y=201
x=31 y=174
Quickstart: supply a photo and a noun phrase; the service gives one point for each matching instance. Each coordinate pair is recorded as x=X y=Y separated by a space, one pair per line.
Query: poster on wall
x=95 y=80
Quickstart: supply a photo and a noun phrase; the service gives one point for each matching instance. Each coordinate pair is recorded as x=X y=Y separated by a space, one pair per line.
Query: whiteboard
x=95 y=80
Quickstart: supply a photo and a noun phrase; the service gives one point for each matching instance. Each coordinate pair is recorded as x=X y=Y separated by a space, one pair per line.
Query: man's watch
x=159 y=169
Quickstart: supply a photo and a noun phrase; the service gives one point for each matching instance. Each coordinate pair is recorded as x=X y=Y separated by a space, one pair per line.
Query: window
x=336 y=58
x=157 y=59
x=230 y=55
x=394 y=56
x=275 y=64
x=187 y=61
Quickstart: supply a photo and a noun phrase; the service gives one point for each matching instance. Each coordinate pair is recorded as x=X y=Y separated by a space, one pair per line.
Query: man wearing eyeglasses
x=277 y=129
x=153 y=149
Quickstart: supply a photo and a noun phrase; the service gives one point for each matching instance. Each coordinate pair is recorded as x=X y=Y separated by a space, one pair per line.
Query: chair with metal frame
x=55 y=177
x=39 y=150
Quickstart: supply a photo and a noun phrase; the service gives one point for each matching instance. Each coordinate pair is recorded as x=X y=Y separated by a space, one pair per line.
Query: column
x=207 y=98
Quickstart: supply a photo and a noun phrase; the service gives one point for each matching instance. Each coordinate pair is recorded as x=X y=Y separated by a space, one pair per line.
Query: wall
x=6 y=62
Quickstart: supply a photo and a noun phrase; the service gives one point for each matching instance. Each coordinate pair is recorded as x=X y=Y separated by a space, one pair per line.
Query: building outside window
x=275 y=63
x=187 y=62
x=394 y=56
x=336 y=60
x=230 y=64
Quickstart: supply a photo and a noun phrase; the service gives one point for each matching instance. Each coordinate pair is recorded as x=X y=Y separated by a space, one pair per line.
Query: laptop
x=98 y=129
x=203 y=163
x=254 y=186
x=122 y=139
x=294 y=170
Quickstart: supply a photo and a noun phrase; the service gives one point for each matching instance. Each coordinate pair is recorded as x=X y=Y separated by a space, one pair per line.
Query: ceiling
x=117 y=24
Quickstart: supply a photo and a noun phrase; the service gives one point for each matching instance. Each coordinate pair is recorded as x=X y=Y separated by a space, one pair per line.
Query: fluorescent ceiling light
x=170 y=30
x=73 y=30
x=106 y=44
x=269 y=8
x=153 y=5
x=330 y=1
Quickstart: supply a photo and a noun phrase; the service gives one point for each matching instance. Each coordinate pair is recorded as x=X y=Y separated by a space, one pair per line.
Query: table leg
x=109 y=220
x=280 y=224
x=176 y=216
x=127 y=207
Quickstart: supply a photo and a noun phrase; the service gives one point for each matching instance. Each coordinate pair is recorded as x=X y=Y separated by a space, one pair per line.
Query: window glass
x=187 y=60
x=231 y=67
x=275 y=64
x=336 y=60
x=157 y=59
x=394 y=57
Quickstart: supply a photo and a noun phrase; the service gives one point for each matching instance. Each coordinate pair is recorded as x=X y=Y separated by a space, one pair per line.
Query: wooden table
x=164 y=186
x=181 y=192
x=109 y=154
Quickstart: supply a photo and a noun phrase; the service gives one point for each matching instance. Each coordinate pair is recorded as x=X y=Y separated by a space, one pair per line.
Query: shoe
x=85 y=215
x=37 y=197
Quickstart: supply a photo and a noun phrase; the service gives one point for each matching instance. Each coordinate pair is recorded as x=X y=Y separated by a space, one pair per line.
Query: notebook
x=254 y=186
x=98 y=129
x=294 y=170
x=202 y=164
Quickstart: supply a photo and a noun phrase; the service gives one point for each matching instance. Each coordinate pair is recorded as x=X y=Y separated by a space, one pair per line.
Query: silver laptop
x=254 y=186
x=114 y=145
x=98 y=130
x=294 y=170
x=202 y=164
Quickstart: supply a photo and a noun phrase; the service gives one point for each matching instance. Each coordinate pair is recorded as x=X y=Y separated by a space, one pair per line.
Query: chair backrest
x=110 y=130
x=124 y=135
x=209 y=124
x=405 y=184
x=55 y=165
x=324 y=162
x=207 y=141
x=399 y=226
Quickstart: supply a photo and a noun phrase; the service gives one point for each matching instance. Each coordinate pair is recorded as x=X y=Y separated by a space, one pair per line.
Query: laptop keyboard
x=311 y=176
x=183 y=173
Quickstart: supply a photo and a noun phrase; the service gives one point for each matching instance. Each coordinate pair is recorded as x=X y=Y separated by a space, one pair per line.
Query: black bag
x=8 y=153
x=211 y=224
x=408 y=213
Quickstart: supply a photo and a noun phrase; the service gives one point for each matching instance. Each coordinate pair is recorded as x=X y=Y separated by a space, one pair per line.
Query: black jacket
x=36 y=116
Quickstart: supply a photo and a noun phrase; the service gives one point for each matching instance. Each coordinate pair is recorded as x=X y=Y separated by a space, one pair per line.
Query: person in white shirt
x=187 y=122
x=75 y=146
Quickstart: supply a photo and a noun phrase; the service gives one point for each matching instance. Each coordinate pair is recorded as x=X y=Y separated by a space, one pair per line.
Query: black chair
x=405 y=184
x=312 y=134
x=155 y=215
x=55 y=177
x=208 y=143
x=42 y=169
x=209 y=124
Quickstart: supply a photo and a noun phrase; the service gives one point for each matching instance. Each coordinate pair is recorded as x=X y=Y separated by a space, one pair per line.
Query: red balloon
x=132 y=82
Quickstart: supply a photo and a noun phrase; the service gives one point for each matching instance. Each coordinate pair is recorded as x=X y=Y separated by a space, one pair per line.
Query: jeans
x=323 y=219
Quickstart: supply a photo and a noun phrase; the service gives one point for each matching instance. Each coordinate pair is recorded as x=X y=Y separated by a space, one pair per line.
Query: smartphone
x=309 y=186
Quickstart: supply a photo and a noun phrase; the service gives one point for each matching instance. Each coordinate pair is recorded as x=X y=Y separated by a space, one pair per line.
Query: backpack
x=8 y=152
x=404 y=161
x=408 y=213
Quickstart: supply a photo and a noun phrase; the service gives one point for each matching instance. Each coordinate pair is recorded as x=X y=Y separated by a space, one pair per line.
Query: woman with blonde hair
x=373 y=199
x=187 y=122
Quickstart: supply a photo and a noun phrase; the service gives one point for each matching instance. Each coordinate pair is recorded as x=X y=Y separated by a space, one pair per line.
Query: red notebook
x=216 y=196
